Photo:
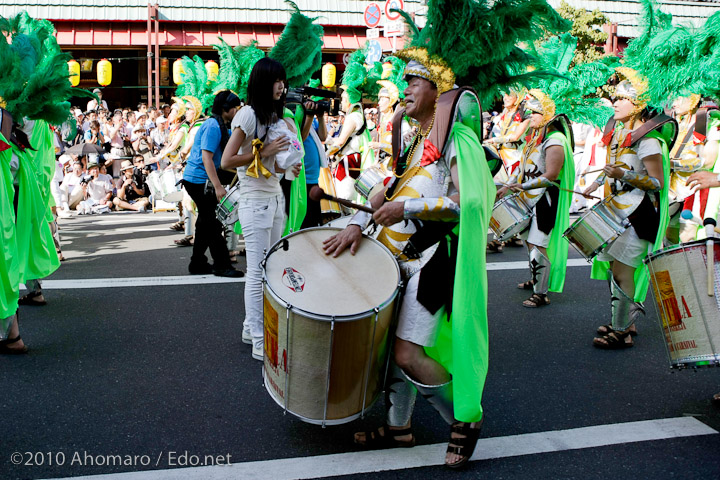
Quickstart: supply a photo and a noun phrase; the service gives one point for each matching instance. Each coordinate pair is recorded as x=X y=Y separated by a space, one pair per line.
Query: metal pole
x=157 y=57
x=149 y=57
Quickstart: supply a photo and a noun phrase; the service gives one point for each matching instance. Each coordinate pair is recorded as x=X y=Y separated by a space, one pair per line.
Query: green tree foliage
x=587 y=28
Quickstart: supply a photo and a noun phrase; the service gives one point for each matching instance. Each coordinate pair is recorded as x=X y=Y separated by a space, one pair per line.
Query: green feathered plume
x=360 y=79
x=652 y=21
x=34 y=75
x=573 y=91
x=706 y=56
x=397 y=75
x=479 y=40
x=235 y=66
x=299 y=48
x=195 y=82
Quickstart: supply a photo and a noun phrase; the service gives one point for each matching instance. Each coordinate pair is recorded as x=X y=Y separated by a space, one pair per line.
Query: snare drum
x=227 y=211
x=510 y=216
x=153 y=182
x=326 y=325
x=340 y=222
x=371 y=181
x=170 y=190
x=595 y=230
x=690 y=317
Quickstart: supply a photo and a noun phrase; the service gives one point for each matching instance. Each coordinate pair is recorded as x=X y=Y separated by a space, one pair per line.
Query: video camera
x=85 y=179
x=300 y=95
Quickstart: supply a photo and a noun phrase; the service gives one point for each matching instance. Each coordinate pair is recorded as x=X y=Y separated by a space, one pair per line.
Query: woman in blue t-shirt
x=203 y=185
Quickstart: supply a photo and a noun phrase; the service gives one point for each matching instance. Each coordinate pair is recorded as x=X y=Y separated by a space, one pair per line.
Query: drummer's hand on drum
x=390 y=214
x=220 y=192
x=593 y=186
x=277 y=145
x=350 y=237
x=613 y=172
x=702 y=180
x=501 y=192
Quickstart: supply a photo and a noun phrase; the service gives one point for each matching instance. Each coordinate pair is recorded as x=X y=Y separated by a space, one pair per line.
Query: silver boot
x=624 y=310
x=540 y=269
x=439 y=396
x=399 y=397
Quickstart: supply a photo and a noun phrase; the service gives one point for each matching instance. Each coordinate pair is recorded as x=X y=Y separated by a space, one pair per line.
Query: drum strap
x=427 y=234
x=437 y=277
x=684 y=142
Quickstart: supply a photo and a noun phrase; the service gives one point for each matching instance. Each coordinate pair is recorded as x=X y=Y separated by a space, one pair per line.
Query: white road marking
x=354 y=463
x=84 y=283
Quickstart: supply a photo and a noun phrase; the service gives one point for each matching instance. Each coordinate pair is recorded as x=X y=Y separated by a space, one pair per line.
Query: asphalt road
x=140 y=369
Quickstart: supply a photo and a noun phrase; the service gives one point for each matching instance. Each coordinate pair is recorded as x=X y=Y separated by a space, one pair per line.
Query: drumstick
x=317 y=194
x=560 y=188
x=599 y=169
x=709 y=224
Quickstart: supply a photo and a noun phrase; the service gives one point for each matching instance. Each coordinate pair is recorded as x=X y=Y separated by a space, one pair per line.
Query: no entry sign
x=397 y=5
x=372 y=15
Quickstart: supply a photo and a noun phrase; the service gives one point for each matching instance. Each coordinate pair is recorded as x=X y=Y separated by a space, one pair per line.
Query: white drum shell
x=510 y=216
x=227 y=209
x=171 y=192
x=594 y=231
x=690 y=318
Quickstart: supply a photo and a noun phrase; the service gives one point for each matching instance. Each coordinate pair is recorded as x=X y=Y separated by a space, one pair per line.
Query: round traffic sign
x=390 y=4
x=372 y=15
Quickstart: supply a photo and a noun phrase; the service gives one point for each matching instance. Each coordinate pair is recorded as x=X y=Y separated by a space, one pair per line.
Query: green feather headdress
x=299 y=48
x=477 y=41
x=195 y=82
x=360 y=79
x=34 y=75
x=571 y=92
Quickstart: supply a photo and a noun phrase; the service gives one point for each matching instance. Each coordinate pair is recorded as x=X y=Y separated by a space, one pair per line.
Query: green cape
x=43 y=159
x=298 y=188
x=600 y=269
x=9 y=260
x=462 y=346
x=35 y=245
x=558 y=248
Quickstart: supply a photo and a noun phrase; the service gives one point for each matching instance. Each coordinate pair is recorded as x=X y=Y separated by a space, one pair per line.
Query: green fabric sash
x=9 y=259
x=35 y=246
x=42 y=140
x=298 y=187
x=600 y=269
x=558 y=247
x=462 y=346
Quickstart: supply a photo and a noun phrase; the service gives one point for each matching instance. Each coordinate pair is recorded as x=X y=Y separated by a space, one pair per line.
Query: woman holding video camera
x=262 y=205
x=203 y=185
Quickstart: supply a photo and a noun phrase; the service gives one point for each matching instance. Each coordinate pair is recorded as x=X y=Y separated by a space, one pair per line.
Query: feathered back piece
x=571 y=92
x=235 y=66
x=299 y=48
x=34 y=75
x=397 y=74
x=195 y=83
x=477 y=39
x=360 y=81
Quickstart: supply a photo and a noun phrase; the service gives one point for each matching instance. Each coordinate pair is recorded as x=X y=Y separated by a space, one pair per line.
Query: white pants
x=74 y=198
x=263 y=222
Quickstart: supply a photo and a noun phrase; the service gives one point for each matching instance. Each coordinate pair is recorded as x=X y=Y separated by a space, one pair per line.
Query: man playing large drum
x=421 y=206
x=546 y=160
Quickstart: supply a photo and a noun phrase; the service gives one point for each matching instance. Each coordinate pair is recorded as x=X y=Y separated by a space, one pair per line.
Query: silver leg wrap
x=399 y=397
x=439 y=396
x=33 y=285
x=5 y=324
x=540 y=269
x=624 y=309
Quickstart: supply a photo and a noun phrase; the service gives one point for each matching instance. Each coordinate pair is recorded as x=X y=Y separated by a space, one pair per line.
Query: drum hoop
x=653 y=255
x=329 y=318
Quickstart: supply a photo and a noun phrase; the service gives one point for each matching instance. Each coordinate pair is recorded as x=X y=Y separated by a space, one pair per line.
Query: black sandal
x=494 y=246
x=185 y=241
x=536 y=300
x=388 y=439
x=515 y=242
x=28 y=299
x=5 y=350
x=178 y=226
x=463 y=446
x=526 y=285
x=614 y=341
x=605 y=329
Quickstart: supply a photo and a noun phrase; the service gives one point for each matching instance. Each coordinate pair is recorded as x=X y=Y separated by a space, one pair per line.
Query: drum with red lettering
x=326 y=325
x=690 y=317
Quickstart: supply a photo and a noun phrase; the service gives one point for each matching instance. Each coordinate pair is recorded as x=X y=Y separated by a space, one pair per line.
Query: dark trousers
x=208 y=229
x=313 y=215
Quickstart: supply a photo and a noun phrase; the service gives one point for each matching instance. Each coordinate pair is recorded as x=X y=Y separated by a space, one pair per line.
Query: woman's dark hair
x=224 y=102
x=260 y=90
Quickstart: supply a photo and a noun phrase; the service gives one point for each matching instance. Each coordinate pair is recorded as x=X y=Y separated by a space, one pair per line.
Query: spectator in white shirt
x=98 y=189
x=94 y=104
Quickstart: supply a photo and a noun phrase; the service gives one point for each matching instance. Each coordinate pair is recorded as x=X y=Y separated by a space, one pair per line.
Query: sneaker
x=257 y=350
x=205 y=269
x=246 y=337
x=62 y=213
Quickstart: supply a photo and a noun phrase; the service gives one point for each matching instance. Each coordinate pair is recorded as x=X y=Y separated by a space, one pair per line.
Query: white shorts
x=415 y=323
x=628 y=249
x=533 y=234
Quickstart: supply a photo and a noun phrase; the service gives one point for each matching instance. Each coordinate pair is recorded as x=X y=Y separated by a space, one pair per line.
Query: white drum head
x=307 y=279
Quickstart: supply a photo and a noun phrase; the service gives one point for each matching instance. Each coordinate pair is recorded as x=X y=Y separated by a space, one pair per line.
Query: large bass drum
x=690 y=317
x=326 y=325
